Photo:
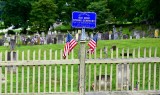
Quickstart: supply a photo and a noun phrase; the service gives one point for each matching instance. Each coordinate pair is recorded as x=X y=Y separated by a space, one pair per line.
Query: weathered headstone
x=125 y=36
x=91 y=36
x=110 y=33
x=55 y=40
x=12 y=43
x=60 y=38
x=122 y=68
x=115 y=35
x=77 y=36
x=1 y=42
x=99 y=36
x=156 y=33
x=49 y=39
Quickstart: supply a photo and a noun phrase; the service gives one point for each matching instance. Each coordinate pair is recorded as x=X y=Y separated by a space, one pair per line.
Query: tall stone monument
x=11 y=55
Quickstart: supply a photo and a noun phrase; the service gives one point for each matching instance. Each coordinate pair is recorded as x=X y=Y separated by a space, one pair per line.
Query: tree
x=43 y=15
x=16 y=12
x=103 y=13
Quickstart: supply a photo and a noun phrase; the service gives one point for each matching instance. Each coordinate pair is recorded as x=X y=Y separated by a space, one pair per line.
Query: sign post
x=83 y=20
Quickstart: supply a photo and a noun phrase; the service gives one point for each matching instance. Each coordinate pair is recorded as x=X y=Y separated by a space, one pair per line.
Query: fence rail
x=34 y=72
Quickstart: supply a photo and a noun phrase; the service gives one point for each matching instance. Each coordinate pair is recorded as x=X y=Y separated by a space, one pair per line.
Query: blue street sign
x=84 y=19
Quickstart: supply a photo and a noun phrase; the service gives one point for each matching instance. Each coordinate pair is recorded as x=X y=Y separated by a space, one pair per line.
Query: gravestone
x=49 y=39
x=11 y=56
x=77 y=36
x=1 y=42
x=55 y=40
x=137 y=35
x=112 y=36
x=43 y=34
x=99 y=36
x=116 y=35
x=125 y=36
x=156 y=33
x=91 y=36
x=125 y=75
x=60 y=38
x=87 y=37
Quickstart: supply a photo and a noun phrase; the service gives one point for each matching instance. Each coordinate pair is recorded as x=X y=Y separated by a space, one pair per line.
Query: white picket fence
x=30 y=74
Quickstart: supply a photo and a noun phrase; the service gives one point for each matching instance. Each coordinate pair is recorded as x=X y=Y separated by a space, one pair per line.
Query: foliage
x=103 y=13
x=16 y=12
x=42 y=15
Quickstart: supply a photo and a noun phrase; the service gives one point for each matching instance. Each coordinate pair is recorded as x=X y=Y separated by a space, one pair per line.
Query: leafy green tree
x=43 y=15
x=103 y=13
x=16 y=12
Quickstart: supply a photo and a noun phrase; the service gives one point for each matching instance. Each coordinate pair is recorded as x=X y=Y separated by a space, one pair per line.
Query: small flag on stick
x=92 y=44
x=70 y=44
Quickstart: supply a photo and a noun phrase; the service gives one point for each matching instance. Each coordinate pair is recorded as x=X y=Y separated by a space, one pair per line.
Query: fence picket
x=55 y=80
x=100 y=73
x=39 y=54
x=127 y=73
x=6 y=73
x=0 y=79
x=138 y=76
x=149 y=77
x=22 y=89
x=159 y=75
x=33 y=80
x=61 y=78
x=39 y=76
x=95 y=81
x=16 y=79
x=150 y=52
x=144 y=69
x=1 y=56
x=72 y=78
x=66 y=78
x=117 y=52
x=6 y=53
x=50 y=76
x=116 y=76
x=154 y=76
x=28 y=72
x=100 y=54
x=44 y=54
x=44 y=84
x=111 y=71
x=95 y=53
x=155 y=52
x=106 y=77
x=11 y=80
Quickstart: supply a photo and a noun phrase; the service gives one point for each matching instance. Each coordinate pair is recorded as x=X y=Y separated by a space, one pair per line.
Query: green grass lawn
x=142 y=43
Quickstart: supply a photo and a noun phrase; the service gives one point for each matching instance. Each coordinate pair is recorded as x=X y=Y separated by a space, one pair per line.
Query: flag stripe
x=92 y=44
x=70 y=44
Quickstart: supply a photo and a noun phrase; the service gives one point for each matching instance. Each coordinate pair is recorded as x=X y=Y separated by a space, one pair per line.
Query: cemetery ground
x=131 y=44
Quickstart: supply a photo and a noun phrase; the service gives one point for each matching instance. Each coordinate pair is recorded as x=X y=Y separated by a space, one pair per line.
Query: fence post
x=82 y=68
x=0 y=73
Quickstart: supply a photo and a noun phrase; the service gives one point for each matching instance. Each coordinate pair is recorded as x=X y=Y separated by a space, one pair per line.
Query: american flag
x=92 y=44
x=70 y=44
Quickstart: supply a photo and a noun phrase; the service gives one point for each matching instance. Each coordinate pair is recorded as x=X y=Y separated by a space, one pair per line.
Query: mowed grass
x=131 y=44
